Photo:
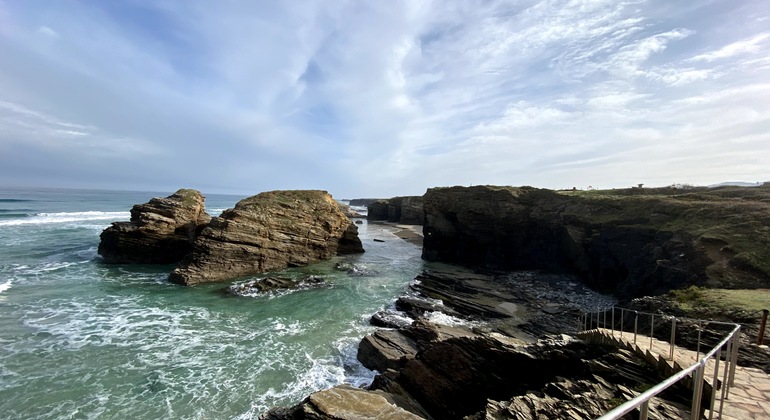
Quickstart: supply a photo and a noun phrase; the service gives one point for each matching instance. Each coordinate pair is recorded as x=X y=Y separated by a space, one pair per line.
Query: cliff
x=631 y=242
x=267 y=232
x=161 y=231
x=407 y=210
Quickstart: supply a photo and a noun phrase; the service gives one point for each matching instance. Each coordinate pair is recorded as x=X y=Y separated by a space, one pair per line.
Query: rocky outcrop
x=631 y=244
x=412 y=211
x=347 y=403
x=272 y=284
x=407 y=210
x=350 y=213
x=267 y=232
x=377 y=210
x=161 y=231
x=359 y=202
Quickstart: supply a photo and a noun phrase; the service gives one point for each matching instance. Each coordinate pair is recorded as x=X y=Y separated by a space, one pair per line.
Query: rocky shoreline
x=485 y=338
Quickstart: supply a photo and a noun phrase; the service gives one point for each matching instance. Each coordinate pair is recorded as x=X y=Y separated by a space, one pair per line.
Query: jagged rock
x=269 y=284
x=344 y=402
x=386 y=349
x=161 y=231
x=268 y=232
x=631 y=244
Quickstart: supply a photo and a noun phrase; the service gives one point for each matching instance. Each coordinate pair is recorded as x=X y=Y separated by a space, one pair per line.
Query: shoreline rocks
x=267 y=232
x=161 y=231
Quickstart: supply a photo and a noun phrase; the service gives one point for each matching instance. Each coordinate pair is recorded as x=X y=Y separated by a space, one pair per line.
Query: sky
x=382 y=98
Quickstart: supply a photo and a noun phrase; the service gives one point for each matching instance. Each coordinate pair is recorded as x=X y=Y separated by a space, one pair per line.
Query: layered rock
x=631 y=244
x=267 y=232
x=160 y=231
x=407 y=210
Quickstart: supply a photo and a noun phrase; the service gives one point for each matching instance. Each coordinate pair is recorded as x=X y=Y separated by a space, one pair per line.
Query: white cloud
x=751 y=45
x=390 y=98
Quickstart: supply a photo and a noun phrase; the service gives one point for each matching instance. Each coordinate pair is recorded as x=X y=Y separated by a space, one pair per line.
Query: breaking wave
x=66 y=217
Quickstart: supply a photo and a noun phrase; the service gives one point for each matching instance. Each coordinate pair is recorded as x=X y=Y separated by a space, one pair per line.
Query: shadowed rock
x=161 y=231
x=268 y=232
x=629 y=242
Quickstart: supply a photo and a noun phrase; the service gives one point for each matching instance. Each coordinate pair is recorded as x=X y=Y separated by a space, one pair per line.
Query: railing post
x=604 y=318
x=636 y=324
x=728 y=367
x=597 y=319
x=673 y=338
x=697 y=349
x=724 y=379
x=761 y=335
x=613 y=322
x=714 y=385
x=621 y=321
x=644 y=410
x=697 y=392
x=734 y=360
x=652 y=328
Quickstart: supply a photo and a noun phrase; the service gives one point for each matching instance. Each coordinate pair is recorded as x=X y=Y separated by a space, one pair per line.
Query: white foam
x=5 y=286
x=67 y=217
x=448 y=320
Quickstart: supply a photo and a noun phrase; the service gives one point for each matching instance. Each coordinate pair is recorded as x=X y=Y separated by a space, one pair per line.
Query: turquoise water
x=81 y=339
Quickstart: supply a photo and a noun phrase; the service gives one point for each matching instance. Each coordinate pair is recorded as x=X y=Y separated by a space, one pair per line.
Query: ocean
x=84 y=339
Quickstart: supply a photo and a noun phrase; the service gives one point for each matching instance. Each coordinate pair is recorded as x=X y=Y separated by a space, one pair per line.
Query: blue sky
x=382 y=98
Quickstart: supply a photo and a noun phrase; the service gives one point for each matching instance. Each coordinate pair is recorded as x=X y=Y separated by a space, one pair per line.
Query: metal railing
x=726 y=349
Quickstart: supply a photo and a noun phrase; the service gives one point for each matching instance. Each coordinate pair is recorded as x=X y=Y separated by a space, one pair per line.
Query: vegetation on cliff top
x=732 y=224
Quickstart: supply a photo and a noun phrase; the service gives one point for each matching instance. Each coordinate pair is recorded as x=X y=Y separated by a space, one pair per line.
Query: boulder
x=271 y=284
x=344 y=402
x=160 y=231
x=267 y=232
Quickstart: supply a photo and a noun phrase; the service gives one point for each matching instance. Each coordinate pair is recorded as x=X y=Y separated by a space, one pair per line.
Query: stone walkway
x=749 y=396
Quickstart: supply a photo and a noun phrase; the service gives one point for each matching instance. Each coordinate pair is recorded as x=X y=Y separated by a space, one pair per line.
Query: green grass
x=721 y=300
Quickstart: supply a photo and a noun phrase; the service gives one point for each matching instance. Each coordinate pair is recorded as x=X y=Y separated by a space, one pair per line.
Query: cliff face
x=407 y=210
x=630 y=243
x=161 y=231
x=266 y=232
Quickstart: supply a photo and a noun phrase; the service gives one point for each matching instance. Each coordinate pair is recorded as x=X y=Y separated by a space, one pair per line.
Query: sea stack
x=270 y=231
x=161 y=231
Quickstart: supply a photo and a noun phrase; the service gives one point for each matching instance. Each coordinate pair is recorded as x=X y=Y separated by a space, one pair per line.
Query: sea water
x=84 y=339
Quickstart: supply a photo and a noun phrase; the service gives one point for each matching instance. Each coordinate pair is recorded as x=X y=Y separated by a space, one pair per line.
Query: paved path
x=749 y=396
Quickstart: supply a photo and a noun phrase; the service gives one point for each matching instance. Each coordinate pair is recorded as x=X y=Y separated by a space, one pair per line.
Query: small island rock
x=161 y=231
x=266 y=232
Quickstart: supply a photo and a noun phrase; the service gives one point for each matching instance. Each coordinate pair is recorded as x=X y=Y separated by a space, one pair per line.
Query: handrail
x=697 y=369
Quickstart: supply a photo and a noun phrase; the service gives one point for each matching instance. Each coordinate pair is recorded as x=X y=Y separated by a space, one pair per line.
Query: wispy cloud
x=384 y=98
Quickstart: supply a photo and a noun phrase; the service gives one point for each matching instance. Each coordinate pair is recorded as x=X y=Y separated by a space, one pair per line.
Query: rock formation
x=377 y=210
x=272 y=284
x=267 y=232
x=350 y=213
x=362 y=201
x=407 y=210
x=161 y=231
x=629 y=243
